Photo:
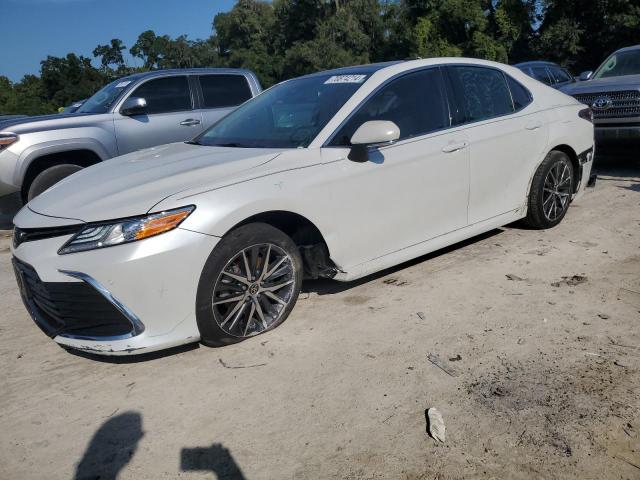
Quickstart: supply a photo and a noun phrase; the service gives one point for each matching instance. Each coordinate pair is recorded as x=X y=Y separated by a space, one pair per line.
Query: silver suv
x=613 y=93
x=132 y=113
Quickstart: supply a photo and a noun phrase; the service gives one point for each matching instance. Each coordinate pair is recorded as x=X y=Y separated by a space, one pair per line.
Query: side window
x=520 y=95
x=224 y=90
x=415 y=102
x=560 y=74
x=163 y=95
x=541 y=74
x=481 y=92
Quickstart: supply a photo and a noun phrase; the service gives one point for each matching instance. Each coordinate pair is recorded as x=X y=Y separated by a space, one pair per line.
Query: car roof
x=629 y=48
x=536 y=63
x=187 y=71
x=356 y=69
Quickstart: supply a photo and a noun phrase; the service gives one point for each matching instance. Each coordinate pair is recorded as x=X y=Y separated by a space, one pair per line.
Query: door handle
x=533 y=125
x=454 y=147
x=190 y=122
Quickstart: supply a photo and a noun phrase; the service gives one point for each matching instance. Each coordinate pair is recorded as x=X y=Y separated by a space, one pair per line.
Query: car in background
x=135 y=112
x=548 y=73
x=336 y=174
x=613 y=93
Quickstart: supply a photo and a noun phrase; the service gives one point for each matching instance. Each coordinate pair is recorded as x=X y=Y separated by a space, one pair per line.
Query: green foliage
x=280 y=39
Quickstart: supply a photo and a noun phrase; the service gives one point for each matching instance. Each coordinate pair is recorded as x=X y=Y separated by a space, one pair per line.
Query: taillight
x=587 y=114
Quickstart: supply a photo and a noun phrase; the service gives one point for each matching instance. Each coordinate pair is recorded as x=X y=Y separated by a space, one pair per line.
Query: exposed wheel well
x=310 y=242
x=573 y=156
x=84 y=158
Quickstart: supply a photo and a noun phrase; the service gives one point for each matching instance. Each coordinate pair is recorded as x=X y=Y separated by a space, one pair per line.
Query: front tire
x=249 y=284
x=551 y=191
x=49 y=177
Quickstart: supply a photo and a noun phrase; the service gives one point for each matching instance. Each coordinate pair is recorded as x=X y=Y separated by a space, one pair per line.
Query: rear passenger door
x=169 y=115
x=507 y=135
x=220 y=94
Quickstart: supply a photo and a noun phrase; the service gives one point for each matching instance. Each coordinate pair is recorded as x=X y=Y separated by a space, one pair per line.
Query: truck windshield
x=288 y=115
x=102 y=101
x=619 y=64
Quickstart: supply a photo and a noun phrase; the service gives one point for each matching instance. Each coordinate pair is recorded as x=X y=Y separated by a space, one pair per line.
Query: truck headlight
x=7 y=139
x=108 y=234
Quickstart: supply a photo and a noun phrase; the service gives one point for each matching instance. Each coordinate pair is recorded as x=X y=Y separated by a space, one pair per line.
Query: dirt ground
x=538 y=333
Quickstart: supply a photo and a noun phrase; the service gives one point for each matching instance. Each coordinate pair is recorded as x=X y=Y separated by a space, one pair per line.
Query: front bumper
x=143 y=293
x=617 y=134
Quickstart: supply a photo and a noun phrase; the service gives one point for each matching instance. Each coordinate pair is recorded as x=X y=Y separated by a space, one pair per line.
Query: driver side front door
x=409 y=192
x=170 y=116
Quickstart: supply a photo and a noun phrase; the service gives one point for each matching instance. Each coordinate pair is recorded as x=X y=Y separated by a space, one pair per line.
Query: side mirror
x=134 y=106
x=372 y=134
x=584 y=76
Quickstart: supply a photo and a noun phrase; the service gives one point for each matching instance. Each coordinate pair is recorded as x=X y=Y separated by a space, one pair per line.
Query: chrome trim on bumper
x=137 y=327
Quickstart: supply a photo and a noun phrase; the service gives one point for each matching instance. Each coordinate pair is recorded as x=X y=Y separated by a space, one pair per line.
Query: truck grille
x=73 y=308
x=616 y=104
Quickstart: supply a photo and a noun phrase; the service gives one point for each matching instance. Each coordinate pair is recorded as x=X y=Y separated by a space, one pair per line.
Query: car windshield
x=102 y=101
x=619 y=64
x=288 y=115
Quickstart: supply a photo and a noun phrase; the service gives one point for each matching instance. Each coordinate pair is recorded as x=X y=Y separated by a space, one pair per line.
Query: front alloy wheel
x=253 y=290
x=249 y=284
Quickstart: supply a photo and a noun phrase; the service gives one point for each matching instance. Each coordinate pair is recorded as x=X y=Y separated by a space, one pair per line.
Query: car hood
x=609 y=84
x=40 y=123
x=132 y=184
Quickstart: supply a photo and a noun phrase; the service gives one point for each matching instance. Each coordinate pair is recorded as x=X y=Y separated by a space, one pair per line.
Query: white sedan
x=336 y=174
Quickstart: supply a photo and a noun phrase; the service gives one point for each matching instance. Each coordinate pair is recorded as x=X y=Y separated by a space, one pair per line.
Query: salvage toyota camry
x=336 y=174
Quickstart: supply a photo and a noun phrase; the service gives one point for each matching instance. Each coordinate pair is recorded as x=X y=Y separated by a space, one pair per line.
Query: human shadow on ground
x=111 y=448
x=216 y=459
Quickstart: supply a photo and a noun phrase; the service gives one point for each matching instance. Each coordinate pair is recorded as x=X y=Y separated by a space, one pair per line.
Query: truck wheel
x=50 y=177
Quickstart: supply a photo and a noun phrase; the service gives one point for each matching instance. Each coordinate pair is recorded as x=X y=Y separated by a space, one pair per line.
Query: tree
x=65 y=80
x=583 y=33
x=111 y=54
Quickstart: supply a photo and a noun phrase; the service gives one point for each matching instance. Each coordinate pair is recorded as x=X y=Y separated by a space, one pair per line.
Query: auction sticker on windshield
x=346 y=79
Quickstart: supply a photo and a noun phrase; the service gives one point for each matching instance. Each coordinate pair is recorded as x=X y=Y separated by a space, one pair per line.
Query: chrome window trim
x=137 y=327
x=133 y=88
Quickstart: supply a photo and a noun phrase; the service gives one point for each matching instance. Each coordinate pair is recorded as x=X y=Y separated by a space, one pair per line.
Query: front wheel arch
x=83 y=158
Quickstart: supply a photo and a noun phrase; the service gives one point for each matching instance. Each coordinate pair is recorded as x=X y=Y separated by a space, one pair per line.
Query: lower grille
x=72 y=308
x=612 y=104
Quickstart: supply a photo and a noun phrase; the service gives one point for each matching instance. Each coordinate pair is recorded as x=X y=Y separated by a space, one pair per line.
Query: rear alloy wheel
x=249 y=285
x=556 y=192
x=551 y=191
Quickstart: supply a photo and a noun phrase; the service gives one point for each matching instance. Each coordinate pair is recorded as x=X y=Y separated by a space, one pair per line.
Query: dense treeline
x=285 y=38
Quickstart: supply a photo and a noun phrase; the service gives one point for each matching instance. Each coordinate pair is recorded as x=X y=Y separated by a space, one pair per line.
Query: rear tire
x=238 y=295
x=49 y=177
x=551 y=191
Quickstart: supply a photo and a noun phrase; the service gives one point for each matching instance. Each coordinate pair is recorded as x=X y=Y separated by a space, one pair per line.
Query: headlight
x=108 y=234
x=7 y=139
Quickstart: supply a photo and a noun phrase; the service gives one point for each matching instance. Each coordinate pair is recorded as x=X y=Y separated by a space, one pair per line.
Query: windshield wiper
x=231 y=144
x=192 y=142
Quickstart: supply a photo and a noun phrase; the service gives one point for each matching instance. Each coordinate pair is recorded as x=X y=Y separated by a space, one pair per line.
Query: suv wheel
x=249 y=284
x=49 y=177
x=551 y=191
